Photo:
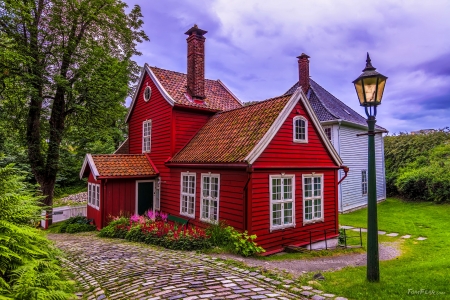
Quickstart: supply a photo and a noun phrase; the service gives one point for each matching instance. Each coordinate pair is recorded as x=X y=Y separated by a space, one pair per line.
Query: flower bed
x=153 y=228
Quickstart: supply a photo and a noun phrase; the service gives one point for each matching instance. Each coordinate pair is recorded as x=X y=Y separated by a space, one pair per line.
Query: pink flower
x=134 y=218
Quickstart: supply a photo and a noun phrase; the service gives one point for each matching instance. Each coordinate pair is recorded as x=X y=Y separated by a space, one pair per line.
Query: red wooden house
x=195 y=151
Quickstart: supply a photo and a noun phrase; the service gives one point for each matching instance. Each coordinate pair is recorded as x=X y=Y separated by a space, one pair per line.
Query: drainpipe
x=245 y=192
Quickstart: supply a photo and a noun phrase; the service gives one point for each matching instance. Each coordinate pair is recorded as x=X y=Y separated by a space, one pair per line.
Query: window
x=210 y=198
x=282 y=200
x=187 y=197
x=146 y=135
x=147 y=93
x=300 y=129
x=328 y=132
x=364 y=182
x=312 y=198
x=94 y=195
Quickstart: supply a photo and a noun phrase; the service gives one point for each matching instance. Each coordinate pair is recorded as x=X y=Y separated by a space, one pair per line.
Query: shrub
x=77 y=224
x=117 y=228
x=242 y=243
x=28 y=265
x=74 y=228
x=218 y=234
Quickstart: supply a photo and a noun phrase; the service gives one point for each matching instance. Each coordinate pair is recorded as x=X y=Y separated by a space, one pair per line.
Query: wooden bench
x=179 y=220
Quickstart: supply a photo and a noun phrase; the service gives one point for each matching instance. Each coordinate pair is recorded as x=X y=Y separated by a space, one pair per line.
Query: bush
x=74 y=228
x=117 y=228
x=28 y=265
x=77 y=224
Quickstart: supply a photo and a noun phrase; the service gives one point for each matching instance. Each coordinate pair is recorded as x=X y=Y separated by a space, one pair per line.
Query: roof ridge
x=215 y=80
x=253 y=104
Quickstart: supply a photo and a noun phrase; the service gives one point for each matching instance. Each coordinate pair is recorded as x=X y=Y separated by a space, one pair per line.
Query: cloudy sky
x=252 y=46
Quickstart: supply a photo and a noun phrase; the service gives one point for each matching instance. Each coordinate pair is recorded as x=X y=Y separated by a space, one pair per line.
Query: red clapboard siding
x=120 y=198
x=261 y=209
x=187 y=124
x=93 y=213
x=282 y=151
x=231 y=195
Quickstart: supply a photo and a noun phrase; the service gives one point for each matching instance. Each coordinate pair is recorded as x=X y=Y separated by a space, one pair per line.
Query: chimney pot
x=303 y=72
x=196 y=63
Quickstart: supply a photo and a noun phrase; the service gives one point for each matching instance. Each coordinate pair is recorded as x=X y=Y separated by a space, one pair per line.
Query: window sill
x=94 y=207
x=187 y=215
x=281 y=227
x=209 y=221
x=300 y=141
x=313 y=221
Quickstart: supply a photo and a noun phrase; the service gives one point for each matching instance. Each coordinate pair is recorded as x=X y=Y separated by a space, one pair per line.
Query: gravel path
x=296 y=267
x=115 y=269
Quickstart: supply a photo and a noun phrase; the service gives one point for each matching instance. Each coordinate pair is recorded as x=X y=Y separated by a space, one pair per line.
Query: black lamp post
x=369 y=88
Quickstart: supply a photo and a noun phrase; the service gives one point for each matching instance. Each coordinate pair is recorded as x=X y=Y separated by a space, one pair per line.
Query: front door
x=144 y=199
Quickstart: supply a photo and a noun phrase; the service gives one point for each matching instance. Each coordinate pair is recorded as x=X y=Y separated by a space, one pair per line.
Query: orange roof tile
x=230 y=136
x=110 y=165
x=217 y=96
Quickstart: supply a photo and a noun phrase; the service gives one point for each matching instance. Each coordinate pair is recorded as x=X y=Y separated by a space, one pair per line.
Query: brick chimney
x=196 y=63
x=303 y=72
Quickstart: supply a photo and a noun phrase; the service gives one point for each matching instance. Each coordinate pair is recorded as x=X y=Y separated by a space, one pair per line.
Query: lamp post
x=369 y=88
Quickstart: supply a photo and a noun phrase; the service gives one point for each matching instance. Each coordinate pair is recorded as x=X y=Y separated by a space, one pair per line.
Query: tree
x=64 y=63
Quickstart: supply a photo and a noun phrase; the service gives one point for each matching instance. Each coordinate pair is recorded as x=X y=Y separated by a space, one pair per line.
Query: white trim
x=208 y=220
x=187 y=194
x=149 y=121
x=164 y=93
x=322 y=200
x=282 y=201
x=294 y=131
x=94 y=202
x=89 y=160
x=137 y=194
x=230 y=92
x=364 y=183
x=273 y=130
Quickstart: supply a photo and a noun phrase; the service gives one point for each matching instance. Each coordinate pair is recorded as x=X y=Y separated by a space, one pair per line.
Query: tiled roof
x=217 y=96
x=110 y=165
x=327 y=107
x=230 y=136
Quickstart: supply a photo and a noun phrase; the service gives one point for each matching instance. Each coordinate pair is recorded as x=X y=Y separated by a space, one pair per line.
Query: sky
x=252 y=46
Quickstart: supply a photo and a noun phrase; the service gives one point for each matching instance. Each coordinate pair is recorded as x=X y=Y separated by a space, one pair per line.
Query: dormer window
x=146 y=135
x=300 y=129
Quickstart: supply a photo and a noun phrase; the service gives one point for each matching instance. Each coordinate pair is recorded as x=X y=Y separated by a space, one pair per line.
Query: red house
x=196 y=152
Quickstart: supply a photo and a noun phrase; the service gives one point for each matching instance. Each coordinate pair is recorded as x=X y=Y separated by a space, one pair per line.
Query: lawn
x=423 y=269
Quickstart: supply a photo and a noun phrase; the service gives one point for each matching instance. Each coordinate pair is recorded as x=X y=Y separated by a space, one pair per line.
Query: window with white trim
x=187 y=194
x=146 y=135
x=209 y=206
x=300 y=129
x=282 y=201
x=94 y=195
x=147 y=93
x=328 y=132
x=312 y=198
x=364 y=182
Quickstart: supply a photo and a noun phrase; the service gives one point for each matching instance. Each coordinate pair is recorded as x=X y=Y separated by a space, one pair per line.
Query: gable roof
x=118 y=165
x=172 y=85
x=241 y=135
x=329 y=108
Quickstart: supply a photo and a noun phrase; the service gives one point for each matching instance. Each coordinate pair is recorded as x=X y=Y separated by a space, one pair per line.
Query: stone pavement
x=392 y=234
x=115 y=269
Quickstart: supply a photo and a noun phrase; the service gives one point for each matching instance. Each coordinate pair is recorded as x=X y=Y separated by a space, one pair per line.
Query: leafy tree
x=64 y=65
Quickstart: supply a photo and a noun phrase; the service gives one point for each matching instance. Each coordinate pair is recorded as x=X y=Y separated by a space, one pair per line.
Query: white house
x=344 y=127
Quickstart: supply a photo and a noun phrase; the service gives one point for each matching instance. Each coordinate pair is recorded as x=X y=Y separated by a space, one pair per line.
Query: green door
x=145 y=197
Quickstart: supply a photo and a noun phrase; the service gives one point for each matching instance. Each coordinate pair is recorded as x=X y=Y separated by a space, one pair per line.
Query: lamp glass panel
x=359 y=91
x=370 y=88
x=381 y=84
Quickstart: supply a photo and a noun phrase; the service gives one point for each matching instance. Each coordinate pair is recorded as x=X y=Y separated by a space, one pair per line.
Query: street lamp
x=369 y=88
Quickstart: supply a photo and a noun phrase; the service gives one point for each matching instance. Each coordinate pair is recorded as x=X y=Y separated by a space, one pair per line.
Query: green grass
x=424 y=266
x=310 y=254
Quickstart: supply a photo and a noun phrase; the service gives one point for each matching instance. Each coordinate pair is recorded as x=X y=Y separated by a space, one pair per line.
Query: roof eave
x=88 y=160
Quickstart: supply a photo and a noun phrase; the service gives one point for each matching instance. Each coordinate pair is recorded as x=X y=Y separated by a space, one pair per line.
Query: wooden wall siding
x=187 y=124
x=93 y=213
x=354 y=155
x=272 y=241
x=120 y=198
x=282 y=151
x=231 y=196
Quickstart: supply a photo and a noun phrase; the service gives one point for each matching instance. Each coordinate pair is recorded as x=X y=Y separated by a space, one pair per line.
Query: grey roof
x=329 y=108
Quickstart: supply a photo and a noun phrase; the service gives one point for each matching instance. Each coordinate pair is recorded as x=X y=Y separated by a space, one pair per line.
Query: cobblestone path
x=115 y=269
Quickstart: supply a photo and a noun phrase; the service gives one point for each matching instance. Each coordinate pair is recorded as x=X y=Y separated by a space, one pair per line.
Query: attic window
x=300 y=129
x=147 y=93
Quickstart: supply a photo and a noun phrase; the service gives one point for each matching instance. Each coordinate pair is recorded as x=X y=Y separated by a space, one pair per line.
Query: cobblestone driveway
x=114 y=269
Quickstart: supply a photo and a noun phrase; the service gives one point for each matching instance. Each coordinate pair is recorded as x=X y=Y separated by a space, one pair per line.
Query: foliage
x=222 y=235
x=157 y=231
x=65 y=71
x=28 y=265
x=77 y=224
x=417 y=166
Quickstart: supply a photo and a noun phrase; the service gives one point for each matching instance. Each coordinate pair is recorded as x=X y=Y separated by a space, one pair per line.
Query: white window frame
x=364 y=182
x=322 y=186
x=146 y=149
x=187 y=194
x=209 y=198
x=282 y=201
x=331 y=132
x=94 y=195
x=149 y=95
x=294 y=131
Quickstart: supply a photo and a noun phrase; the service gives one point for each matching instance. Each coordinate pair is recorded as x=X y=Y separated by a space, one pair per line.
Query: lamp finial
x=369 y=66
